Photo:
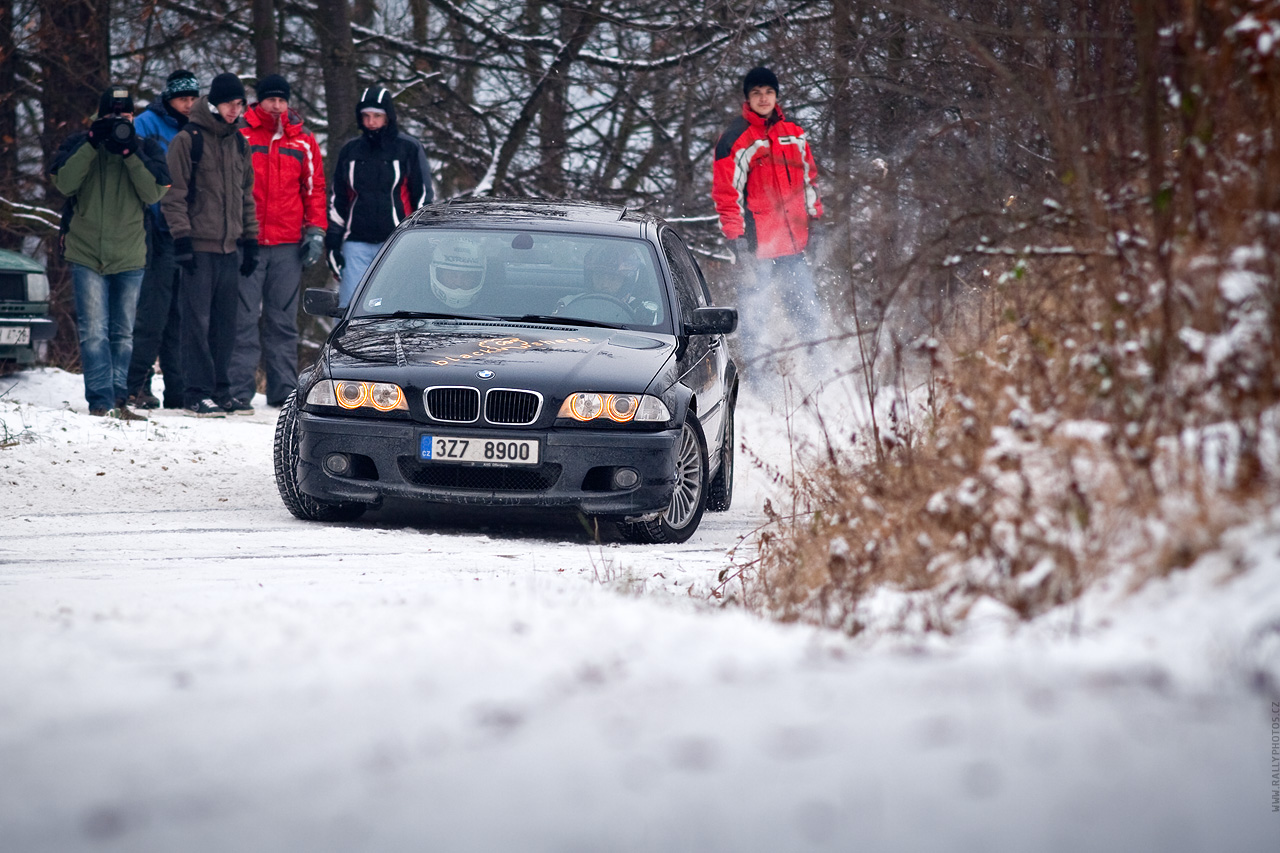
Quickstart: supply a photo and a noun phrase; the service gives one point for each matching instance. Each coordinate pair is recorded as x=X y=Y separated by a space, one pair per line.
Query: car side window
x=688 y=279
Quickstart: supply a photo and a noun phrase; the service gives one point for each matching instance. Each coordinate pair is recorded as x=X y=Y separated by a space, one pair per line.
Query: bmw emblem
x=485 y=374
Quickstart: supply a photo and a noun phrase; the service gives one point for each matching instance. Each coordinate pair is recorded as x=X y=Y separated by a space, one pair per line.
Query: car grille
x=478 y=478
x=507 y=406
x=453 y=405
x=13 y=287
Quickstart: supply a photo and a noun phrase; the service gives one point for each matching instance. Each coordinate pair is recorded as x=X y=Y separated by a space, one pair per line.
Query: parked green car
x=25 y=324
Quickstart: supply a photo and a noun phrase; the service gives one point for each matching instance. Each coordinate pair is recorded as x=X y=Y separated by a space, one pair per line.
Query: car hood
x=18 y=263
x=422 y=353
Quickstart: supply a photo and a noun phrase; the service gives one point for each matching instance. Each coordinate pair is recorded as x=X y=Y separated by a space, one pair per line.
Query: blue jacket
x=155 y=122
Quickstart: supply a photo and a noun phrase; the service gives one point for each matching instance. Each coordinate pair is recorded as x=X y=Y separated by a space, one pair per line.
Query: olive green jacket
x=111 y=194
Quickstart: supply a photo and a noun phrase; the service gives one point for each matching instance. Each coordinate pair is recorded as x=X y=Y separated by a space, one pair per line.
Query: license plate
x=13 y=335
x=492 y=451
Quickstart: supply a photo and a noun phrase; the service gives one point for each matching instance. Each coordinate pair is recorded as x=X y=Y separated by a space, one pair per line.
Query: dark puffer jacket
x=379 y=178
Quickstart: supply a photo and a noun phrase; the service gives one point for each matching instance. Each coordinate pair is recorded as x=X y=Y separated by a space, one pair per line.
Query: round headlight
x=352 y=395
x=586 y=407
x=384 y=397
x=621 y=407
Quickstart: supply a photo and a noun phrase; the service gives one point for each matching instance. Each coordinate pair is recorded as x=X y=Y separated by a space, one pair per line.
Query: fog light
x=338 y=464
x=625 y=478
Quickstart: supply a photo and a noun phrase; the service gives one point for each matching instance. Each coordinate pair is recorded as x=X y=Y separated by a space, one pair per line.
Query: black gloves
x=248 y=256
x=333 y=242
x=312 y=246
x=336 y=262
x=184 y=254
x=100 y=130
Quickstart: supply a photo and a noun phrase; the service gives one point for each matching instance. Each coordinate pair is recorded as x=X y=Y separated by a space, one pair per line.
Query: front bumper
x=20 y=334
x=573 y=470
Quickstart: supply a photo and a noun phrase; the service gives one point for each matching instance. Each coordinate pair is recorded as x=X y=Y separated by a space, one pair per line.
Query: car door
x=702 y=364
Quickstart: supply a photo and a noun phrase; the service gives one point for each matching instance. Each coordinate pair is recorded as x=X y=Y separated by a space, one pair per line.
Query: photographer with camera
x=109 y=175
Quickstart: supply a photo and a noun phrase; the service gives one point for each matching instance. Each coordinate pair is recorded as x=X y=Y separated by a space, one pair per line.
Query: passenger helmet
x=457 y=272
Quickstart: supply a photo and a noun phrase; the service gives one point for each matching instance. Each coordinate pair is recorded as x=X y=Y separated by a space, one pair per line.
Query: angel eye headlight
x=352 y=395
x=619 y=408
x=385 y=397
x=582 y=407
x=381 y=396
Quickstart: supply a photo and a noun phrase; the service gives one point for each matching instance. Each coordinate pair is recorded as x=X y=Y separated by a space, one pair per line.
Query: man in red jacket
x=764 y=185
x=289 y=191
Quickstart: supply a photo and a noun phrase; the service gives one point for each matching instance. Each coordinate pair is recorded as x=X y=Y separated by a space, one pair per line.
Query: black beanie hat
x=179 y=83
x=225 y=87
x=759 y=77
x=272 y=86
x=115 y=99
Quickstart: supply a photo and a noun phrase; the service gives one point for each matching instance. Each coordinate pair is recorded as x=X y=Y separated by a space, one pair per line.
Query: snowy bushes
x=1103 y=400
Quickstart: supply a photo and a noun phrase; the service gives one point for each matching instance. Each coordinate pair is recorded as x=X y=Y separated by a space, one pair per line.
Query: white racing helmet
x=457 y=272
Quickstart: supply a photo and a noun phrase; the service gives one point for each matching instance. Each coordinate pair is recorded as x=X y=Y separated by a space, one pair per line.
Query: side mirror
x=712 y=321
x=319 y=302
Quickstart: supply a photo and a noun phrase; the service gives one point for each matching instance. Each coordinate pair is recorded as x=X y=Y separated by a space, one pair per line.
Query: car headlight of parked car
x=37 y=287
x=586 y=406
x=351 y=396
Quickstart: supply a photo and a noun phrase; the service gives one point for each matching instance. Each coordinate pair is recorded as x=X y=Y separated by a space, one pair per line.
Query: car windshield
x=518 y=275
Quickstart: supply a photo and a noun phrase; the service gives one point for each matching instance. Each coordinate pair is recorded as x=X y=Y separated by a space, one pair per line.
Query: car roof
x=15 y=262
x=535 y=213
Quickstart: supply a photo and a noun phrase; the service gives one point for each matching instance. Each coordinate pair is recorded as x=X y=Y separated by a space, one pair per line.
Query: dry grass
x=1103 y=412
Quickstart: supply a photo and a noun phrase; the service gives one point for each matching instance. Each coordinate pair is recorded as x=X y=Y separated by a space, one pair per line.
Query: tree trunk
x=72 y=40
x=338 y=59
x=9 y=239
x=265 y=47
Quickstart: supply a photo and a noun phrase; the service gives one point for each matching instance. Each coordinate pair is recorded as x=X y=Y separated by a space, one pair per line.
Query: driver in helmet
x=612 y=271
x=457 y=272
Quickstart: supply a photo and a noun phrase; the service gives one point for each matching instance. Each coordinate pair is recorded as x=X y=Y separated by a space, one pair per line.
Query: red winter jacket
x=288 y=177
x=764 y=183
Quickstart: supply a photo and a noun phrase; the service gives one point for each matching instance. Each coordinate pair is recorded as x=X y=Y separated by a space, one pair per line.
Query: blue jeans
x=784 y=283
x=105 y=310
x=356 y=258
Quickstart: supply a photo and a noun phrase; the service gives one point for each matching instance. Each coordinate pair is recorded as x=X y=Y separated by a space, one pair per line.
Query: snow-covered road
x=184 y=666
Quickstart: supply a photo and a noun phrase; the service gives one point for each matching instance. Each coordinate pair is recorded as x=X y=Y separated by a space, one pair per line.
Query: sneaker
x=206 y=408
x=144 y=400
x=236 y=406
x=99 y=413
x=124 y=413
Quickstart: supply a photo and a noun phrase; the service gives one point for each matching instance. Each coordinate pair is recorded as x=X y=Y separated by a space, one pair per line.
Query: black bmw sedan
x=520 y=353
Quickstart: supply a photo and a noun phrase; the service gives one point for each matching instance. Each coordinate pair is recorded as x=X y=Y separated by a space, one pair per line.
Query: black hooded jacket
x=379 y=178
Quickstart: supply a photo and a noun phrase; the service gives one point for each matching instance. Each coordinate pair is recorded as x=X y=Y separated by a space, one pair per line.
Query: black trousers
x=157 y=331
x=210 y=296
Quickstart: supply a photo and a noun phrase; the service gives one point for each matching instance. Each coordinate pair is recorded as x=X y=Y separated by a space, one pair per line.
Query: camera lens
x=122 y=130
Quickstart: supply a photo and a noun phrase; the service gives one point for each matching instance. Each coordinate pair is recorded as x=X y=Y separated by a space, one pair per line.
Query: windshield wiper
x=422 y=315
x=558 y=320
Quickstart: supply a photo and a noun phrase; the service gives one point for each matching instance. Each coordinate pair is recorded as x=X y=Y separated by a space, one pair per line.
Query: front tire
x=681 y=517
x=285 y=456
